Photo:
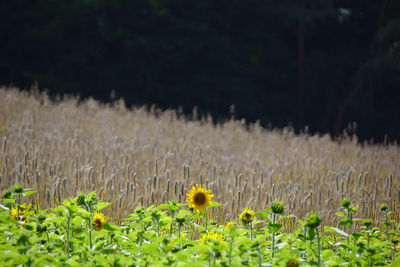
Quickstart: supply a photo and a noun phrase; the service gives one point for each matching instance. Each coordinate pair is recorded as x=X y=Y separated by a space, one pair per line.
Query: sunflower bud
x=313 y=220
x=346 y=203
x=384 y=207
x=368 y=223
x=180 y=220
x=42 y=217
x=277 y=207
x=7 y=194
x=80 y=200
x=18 y=189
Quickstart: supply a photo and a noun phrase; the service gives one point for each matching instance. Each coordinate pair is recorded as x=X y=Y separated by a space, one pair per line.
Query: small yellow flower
x=199 y=198
x=228 y=225
x=247 y=216
x=99 y=220
x=212 y=237
x=22 y=210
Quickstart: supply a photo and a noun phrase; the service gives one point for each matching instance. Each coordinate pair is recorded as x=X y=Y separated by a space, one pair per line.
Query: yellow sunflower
x=212 y=237
x=247 y=216
x=199 y=198
x=99 y=220
x=22 y=210
x=228 y=225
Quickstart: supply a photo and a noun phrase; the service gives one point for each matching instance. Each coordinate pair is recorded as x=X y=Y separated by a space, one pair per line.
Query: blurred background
x=321 y=63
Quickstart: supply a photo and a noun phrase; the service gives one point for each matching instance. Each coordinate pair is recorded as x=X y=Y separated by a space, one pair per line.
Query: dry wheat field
x=145 y=156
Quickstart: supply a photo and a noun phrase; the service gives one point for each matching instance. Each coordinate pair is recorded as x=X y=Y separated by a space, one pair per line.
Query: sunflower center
x=199 y=199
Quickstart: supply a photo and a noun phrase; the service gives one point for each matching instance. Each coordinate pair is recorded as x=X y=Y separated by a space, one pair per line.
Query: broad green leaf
x=110 y=227
x=165 y=207
x=59 y=209
x=215 y=204
x=183 y=213
x=335 y=230
x=346 y=222
x=56 y=219
x=353 y=209
x=340 y=214
x=102 y=205
x=91 y=195
x=274 y=227
x=263 y=215
x=28 y=193
x=4 y=207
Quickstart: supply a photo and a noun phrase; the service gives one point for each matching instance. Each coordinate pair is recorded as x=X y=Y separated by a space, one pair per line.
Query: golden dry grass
x=135 y=157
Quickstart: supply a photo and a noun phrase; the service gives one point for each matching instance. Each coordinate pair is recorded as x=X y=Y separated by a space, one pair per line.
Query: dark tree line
x=321 y=63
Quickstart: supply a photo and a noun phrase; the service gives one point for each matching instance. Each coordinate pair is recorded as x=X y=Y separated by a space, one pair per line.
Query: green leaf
x=340 y=214
x=28 y=193
x=215 y=204
x=56 y=220
x=102 y=205
x=335 y=230
x=59 y=209
x=288 y=216
x=165 y=207
x=4 y=207
x=109 y=227
x=353 y=209
x=274 y=227
x=346 y=222
x=262 y=214
x=8 y=200
x=91 y=194
x=183 y=213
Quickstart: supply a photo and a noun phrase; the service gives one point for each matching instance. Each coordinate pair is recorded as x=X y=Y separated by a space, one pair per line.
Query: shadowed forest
x=324 y=64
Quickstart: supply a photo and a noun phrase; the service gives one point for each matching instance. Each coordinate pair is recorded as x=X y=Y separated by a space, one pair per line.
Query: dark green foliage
x=320 y=63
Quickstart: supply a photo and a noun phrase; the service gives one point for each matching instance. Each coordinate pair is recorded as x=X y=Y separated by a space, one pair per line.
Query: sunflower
x=228 y=225
x=292 y=263
x=99 y=220
x=22 y=209
x=247 y=216
x=212 y=237
x=199 y=198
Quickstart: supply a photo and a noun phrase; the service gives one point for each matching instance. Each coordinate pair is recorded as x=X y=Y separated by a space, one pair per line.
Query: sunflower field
x=92 y=184
x=176 y=234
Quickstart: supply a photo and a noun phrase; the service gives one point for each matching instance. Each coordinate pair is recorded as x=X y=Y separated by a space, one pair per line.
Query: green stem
x=348 y=231
x=19 y=206
x=386 y=225
x=90 y=228
x=230 y=250
x=205 y=214
x=68 y=226
x=214 y=260
x=90 y=234
x=251 y=230
x=172 y=223
x=319 y=248
x=273 y=238
x=259 y=258
x=48 y=237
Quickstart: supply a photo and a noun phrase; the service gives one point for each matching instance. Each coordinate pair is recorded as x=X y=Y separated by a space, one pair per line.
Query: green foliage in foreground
x=76 y=233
